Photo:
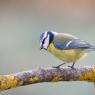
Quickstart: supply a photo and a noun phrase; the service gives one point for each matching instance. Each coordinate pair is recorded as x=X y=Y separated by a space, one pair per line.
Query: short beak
x=41 y=48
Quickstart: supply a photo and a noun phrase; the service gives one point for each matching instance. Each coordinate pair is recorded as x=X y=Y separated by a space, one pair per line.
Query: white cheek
x=46 y=43
x=45 y=34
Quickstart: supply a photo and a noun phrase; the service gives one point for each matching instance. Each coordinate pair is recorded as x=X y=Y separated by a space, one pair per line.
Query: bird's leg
x=72 y=66
x=59 y=65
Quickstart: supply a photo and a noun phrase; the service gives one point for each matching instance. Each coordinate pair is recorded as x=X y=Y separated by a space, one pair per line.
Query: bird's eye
x=43 y=41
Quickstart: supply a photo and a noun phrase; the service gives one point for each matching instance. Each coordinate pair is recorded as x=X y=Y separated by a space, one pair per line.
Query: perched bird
x=64 y=46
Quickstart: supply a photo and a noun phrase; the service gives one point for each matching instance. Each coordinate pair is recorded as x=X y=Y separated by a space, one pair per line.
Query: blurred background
x=21 y=24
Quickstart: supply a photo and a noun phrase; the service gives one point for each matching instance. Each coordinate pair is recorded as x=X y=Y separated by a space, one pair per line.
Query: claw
x=59 y=66
x=72 y=67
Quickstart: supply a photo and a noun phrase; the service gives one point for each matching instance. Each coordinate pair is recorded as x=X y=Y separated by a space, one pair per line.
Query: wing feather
x=72 y=44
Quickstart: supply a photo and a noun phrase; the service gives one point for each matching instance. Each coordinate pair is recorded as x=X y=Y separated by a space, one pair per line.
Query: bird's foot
x=58 y=67
x=72 y=67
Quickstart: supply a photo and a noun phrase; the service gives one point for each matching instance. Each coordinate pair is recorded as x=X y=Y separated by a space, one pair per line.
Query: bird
x=65 y=47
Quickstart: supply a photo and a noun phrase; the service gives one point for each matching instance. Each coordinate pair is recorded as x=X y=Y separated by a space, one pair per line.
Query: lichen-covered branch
x=47 y=75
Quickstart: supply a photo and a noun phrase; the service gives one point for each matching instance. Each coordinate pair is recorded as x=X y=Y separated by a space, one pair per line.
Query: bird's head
x=46 y=38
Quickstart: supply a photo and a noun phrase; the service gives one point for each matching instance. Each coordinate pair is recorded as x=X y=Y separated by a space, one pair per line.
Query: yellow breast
x=71 y=55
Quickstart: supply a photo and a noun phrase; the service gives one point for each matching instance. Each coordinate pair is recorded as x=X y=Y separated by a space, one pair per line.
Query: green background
x=21 y=24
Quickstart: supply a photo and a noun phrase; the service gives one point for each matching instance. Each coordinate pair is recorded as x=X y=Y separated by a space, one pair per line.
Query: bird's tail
x=92 y=47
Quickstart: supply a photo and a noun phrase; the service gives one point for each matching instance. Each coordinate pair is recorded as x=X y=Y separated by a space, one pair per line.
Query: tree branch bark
x=47 y=75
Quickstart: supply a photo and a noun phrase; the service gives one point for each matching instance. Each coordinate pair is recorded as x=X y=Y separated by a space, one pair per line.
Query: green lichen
x=56 y=79
x=89 y=75
x=8 y=81
x=34 y=79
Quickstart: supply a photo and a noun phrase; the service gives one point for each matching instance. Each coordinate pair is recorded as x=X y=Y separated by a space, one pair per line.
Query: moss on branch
x=47 y=75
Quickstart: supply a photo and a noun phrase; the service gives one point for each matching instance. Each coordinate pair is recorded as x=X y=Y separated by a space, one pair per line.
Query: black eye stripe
x=44 y=40
x=44 y=37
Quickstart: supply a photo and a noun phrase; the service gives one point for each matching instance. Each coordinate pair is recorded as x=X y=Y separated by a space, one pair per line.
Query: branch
x=47 y=75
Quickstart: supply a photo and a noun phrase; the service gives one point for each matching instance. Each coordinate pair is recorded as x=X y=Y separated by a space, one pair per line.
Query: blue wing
x=73 y=44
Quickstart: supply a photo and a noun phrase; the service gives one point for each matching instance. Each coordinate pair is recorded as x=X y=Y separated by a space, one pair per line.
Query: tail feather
x=92 y=47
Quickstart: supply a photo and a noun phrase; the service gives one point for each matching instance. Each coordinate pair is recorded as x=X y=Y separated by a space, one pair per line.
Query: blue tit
x=66 y=47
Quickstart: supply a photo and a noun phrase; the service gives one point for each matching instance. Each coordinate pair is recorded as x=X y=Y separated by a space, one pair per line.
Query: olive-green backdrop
x=21 y=24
